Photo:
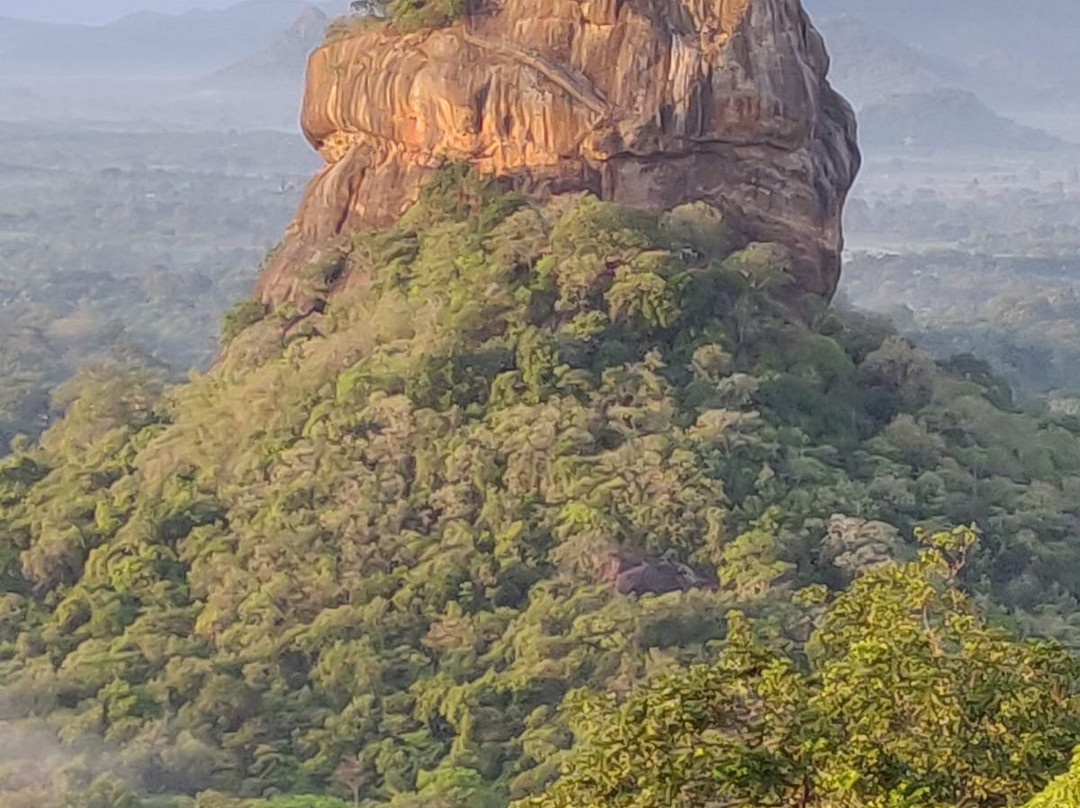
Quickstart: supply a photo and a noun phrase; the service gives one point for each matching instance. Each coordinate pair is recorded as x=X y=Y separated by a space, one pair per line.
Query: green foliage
x=1014 y=307
x=106 y=791
x=407 y=16
x=239 y=317
x=376 y=559
x=414 y=15
x=909 y=699
x=927 y=704
x=700 y=227
x=732 y=732
x=1064 y=792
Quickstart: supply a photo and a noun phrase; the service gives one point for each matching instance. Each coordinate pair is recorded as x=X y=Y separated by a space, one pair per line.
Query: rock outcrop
x=632 y=572
x=644 y=102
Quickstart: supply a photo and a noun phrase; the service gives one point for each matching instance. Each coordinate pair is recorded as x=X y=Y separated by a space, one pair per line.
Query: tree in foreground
x=906 y=698
x=1064 y=792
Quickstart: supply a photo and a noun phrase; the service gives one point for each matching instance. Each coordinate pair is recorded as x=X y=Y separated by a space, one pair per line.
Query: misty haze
x=539 y=404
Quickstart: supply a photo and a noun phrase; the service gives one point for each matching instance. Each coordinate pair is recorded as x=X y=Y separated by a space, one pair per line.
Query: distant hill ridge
x=947 y=119
x=150 y=44
x=285 y=57
x=1011 y=53
x=868 y=64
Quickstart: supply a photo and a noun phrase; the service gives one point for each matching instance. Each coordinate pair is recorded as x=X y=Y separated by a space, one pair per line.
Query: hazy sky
x=96 y=11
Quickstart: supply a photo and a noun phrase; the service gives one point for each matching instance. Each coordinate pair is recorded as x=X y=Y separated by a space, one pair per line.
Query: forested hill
x=562 y=489
x=547 y=448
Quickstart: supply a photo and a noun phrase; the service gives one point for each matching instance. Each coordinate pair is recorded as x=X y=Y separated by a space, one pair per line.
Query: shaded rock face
x=634 y=573
x=650 y=103
x=653 y=577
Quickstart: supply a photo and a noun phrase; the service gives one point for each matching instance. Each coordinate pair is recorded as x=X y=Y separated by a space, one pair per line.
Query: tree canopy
x=906 y=698
x=526 y=452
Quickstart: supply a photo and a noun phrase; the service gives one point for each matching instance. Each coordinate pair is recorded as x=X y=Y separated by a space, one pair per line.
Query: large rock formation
x=644 y=102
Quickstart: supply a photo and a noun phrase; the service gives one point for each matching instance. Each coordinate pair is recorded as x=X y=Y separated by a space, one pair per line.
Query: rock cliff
x=645 y=102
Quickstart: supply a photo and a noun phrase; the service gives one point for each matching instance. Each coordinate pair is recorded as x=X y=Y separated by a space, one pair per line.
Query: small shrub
x=239 y=317
x=414 y=15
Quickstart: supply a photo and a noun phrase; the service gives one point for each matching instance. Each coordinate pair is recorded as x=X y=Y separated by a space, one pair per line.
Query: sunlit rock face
x=650 y=103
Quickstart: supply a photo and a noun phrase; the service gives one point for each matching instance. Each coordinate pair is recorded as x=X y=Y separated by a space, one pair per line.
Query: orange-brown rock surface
x=644 y=102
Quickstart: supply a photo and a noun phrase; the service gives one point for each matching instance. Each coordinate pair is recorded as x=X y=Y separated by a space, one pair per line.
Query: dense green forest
x=1019 y=313
x=572 y=489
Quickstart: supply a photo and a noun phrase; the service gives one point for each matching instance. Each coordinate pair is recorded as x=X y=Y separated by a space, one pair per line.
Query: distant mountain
x=1011 y=52
x=149 y=44
x=285 y=58
x=868 y=65
x=17 y=32
x=946 y=119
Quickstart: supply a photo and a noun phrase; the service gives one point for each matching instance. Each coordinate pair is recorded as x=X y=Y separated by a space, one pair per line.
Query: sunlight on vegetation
x=407 y=16
x=376 y=559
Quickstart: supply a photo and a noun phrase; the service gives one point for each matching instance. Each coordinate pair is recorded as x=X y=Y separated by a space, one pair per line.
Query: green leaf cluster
x=407 y=16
